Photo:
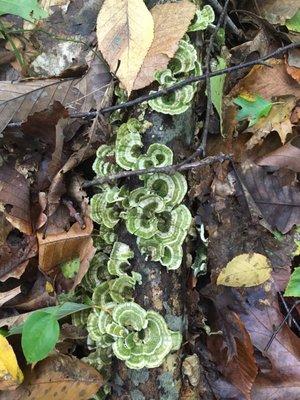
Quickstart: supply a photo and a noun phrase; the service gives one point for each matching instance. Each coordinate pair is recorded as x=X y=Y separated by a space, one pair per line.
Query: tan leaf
x=268 y=82
x=171 y=21
x=60 y=378
x=245 y=270
x=125 y=31
x=278 y=120
x=14 y=198
x=57 y=248
x=10 y=374
x=277 y=11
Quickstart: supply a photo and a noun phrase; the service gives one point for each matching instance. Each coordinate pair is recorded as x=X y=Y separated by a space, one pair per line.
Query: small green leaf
x=293 y=287
x=40 y=335
x=217 y=86
x=252 y=109
x=70 y=268
x=293 y=24
x=26 y=9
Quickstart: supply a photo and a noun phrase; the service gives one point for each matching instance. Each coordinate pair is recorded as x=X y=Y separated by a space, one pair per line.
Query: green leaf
x=57 y=311
x=293 y=24
x=26 y=9
x=252 y=109
x=217 y=86
x=293 y=287
x=40 y=335
x=70 y=268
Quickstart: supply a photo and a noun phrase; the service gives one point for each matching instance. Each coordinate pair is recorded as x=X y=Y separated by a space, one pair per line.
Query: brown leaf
x=125 y=31
x=60 y=247
x=60 y=378
x=15 y=255
x=241 y=369
x=278 y=120
x=18 y=100
x=293 y=64
x=282 y=379
x=171 y=21
x=14 y=198
x=268 y=82
x=279 y=205
x=287 y=156
x=277 y=11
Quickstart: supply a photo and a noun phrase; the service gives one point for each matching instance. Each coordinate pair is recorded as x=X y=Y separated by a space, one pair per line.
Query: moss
x=168 y=387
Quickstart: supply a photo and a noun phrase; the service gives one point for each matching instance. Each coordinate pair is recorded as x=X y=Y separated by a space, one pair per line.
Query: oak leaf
x=10 y=374
x=125 y=31
x=171 y=21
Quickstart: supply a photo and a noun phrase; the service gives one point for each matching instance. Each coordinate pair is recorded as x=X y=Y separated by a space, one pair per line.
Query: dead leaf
x=268 y=82
x=15 y=255
x=86 y=256
x=293 y=64
x=10 y=374
x=60 y=378
x=287 y=156
x=245 y=270
x=191 y=368
x=282 y=379
x=6 y=296
x=125 y=31
x=279 y=205
x=277 y=11
x=279 y=120
x=18 y=100
x=60 y=247
x=241 y=369
x=14 y=198
x=171 y=21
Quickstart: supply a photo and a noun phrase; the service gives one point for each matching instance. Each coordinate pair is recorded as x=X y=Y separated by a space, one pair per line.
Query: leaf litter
x=246 y=211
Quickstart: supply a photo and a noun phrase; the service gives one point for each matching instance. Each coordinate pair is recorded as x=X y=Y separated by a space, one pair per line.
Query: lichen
x=168 y=387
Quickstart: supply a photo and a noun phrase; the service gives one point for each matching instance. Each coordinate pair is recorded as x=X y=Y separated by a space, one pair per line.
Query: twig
x=177 y=86
x=209 y=106
x=231 y=25
x=167 y=170
x=277 y=330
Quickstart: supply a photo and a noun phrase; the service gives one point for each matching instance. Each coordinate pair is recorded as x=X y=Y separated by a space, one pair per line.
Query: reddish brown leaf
x=241 y=369
x=14 y=198
x=287 y=156
x=60 y=378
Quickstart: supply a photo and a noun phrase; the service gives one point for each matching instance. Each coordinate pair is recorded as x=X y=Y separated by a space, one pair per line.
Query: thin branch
x=170 y=169
x=209 y=106
x=231 y=25
x=177 y=86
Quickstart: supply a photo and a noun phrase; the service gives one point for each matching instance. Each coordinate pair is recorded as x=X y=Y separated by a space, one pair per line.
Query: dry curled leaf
x=245 y=270
x=171 y=21
x=60 y=378
x=125 y=31
x=14 y=198
x=277 y=11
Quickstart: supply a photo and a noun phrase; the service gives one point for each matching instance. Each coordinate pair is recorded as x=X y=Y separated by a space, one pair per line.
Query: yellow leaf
x=10 y=374
x=171 y=21
x=125 y=31
x=245 y=270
